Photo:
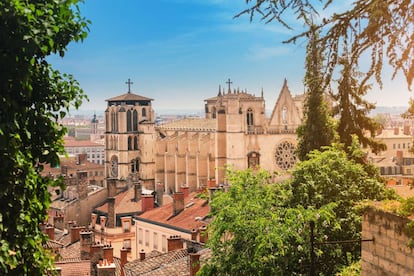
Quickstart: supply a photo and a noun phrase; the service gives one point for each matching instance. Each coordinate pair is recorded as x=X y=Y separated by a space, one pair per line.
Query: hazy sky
x=179 y=51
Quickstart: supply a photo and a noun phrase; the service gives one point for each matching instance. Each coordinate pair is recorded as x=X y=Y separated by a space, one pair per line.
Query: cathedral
x=194 y=152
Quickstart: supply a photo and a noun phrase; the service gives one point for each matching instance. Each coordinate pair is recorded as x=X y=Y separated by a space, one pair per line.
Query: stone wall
x=388 y=254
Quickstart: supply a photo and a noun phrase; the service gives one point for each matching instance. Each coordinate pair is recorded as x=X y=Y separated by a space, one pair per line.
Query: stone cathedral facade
x=191 y=152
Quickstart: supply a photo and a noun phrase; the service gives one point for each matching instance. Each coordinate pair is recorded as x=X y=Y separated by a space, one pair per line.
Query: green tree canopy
x=255 y=232
x=331 y=176
x=33 y=97
x=317 y=128
x=353 y=109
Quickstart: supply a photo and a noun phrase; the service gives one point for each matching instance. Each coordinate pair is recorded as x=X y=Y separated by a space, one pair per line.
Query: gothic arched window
x=129 y=120
x=250 y=119
x=129 y=143
x=135 y=143
x=135 y=121
x=113 y=121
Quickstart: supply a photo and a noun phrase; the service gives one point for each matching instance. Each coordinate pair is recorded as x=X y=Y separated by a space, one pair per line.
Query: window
x=140 y=236
x=129 y=143
x=144 y=112
x=253 y=160
x=147 y=237
x=126 y=226
x=129 y=120
x=249 y=119
x=135 y=143
x=393 y=146
x=135 y=121
x=155 y=241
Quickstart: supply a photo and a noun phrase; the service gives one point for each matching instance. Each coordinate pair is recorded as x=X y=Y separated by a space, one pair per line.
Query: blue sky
x=179 y=51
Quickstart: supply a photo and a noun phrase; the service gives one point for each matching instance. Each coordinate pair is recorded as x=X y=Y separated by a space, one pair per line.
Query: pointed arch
x=129 y=121
x=135 y=121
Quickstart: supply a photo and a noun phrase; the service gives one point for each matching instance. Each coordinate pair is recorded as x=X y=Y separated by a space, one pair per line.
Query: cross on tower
x=129 y=82
x=229 y=82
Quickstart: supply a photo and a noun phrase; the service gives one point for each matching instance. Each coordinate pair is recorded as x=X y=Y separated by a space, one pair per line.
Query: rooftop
x=194 y=124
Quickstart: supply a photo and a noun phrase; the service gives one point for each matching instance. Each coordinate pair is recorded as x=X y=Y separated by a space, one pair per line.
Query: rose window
x=285 y=155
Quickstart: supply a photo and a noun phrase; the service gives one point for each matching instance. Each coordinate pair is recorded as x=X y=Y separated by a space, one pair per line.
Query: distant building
x=94 y=151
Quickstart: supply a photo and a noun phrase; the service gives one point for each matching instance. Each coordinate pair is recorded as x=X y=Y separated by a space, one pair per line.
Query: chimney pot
x=174 y=243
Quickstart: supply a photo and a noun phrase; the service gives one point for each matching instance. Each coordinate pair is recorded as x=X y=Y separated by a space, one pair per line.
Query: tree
x=331 y=176
x=353 y=109
x=255 y=232
x=33 y=97
x=382 y=29
x=317 y=127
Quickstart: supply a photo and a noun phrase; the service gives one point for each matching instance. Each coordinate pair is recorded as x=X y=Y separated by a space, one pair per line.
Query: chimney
x=70 y=224
x=111 y=212
x=86 y=241
x=75 y=233
x=147 y=202
x=194 y=263
x=203 y=234
x=106 y=268
x=174 y=243
x=137 y=191
x=406 y=130
x=185 y=190
x=111 y=185
x=178 y=203
x=396 y=130
x=93 y=219
x=142 y=255
x=194 y=233
x=124 y=259
x=82 y=184
x=102 y=221
x=160 y=193
x=50 y=231
x=96 y=251
x=108 y=253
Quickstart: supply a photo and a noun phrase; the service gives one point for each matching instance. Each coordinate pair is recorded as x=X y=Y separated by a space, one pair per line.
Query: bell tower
x=129 y=133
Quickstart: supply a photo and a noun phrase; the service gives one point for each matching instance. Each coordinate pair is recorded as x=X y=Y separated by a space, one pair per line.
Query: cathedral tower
x=129 y=139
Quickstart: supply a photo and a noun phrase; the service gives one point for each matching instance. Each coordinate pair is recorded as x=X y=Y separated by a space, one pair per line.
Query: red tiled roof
x=77 y=268
x=190 y=218
x=70 y=142
x=123 y=203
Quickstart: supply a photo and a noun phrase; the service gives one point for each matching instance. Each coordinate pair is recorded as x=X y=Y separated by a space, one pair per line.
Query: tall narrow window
x=144 y=112
x=129 y=120
x=250 y=119
x=135 y=121
x=135 y=143
x=214 y=113
x=129 y=143
x=113 y=121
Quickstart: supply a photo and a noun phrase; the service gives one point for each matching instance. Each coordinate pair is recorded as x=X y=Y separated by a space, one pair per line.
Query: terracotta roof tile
x=79 y=268
x=123 y=203
x=190 y=218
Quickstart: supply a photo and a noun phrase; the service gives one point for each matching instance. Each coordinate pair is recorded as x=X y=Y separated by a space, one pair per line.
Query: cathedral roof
x=128 y=97
x=190 y=124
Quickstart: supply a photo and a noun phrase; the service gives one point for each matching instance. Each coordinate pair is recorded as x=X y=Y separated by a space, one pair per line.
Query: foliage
x=353 y=269
x=316 y=129
x=254 y=232
x=330 y=176
x=353 y=109
x=33 y=97
x=407 y=207
x=380 y=29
